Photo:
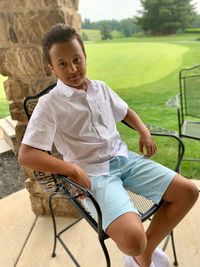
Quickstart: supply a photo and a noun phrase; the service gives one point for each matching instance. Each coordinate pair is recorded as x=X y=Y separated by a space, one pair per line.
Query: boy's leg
x=128 y=233
x=127 y=230
x=178 y=200
x=125 y=226
x=121 y=220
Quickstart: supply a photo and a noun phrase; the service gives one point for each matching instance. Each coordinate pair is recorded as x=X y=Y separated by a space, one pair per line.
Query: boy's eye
x=62 y=64
x=77 y=60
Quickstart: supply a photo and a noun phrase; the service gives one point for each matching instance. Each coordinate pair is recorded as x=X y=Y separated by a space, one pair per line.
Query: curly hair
x=59 y=33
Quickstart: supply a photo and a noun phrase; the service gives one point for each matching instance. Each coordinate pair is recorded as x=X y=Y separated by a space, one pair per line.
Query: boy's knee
x=128 y=233
x=189 y=191
x=182 y=190
x=135 y=243
x=192 y=191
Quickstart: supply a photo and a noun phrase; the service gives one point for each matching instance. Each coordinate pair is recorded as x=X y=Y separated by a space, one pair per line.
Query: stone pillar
x=22 y=26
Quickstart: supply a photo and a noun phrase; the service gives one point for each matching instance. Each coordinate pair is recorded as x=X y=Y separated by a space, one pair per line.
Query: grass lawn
x=4 y=110
x=124 y=65
x=144 y=72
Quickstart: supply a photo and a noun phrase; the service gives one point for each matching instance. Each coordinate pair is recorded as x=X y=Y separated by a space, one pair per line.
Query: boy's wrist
x=70 y=169
x=144 y=131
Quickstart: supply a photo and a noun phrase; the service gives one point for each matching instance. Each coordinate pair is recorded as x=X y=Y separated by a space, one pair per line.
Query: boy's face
x=69 y=63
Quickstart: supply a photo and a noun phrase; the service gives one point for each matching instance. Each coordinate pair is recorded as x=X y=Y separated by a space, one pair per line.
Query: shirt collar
x=65 y=89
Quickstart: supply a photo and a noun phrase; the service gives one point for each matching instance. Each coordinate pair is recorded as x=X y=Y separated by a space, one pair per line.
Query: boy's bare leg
x=127 y=230
x=179 y=199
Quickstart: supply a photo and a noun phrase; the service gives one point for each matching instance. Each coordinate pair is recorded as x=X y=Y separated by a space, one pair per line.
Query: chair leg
x=171 y=235
x=69 y=252
x=57 y=235
x=179 y=153
x=179 y=156
x=174 y=249
x=54 y=225
x=105 y=251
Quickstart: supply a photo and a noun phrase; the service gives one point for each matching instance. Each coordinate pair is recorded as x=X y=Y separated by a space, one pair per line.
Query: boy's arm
x=146 y=143
x=39 y=160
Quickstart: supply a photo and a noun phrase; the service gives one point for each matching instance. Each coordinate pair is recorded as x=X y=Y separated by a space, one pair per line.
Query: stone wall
x=22 y=25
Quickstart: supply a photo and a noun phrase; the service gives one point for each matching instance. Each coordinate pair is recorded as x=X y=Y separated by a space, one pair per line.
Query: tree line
x=161 y=17
x=127 y=27
x=158 y=17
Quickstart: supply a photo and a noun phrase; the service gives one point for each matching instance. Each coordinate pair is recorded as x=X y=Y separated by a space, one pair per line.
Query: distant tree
x=115 y=25
x=196 y=22
x=86 y=24
x=162 y=17
x=84 y=36
x=105 y=30
x=128 y=27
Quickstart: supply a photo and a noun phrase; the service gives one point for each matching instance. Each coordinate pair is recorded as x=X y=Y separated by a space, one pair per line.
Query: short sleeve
x=118 y=105
x=41 y=128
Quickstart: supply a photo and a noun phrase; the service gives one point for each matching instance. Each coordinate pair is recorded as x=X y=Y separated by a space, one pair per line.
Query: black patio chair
x=61 y=185
x=189 y=103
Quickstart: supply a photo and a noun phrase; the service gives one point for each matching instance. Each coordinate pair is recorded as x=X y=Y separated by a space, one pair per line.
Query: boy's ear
x=50 y=66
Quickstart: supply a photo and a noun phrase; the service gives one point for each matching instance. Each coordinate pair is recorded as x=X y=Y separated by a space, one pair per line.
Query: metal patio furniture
x=189 y=103
x=61 y=185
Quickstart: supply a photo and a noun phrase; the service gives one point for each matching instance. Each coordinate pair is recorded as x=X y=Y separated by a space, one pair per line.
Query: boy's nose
x=72 y=68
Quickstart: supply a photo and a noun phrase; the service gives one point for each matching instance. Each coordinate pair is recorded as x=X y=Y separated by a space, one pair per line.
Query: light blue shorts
x=135 y=173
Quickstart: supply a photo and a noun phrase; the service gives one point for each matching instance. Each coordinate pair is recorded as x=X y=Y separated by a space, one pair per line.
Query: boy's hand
x=80 y=176
x=146 y=145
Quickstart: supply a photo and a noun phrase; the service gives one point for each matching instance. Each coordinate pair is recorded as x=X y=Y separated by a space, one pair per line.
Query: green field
x=144 y=72
x=4 y=110
x=124 y=65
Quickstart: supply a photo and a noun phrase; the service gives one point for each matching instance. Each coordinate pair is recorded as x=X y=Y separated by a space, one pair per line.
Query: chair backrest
x=31 y=101
x=48 y=181
x=189 y=80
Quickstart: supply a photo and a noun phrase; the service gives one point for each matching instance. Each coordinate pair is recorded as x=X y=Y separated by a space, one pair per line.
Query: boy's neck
x=84 y=85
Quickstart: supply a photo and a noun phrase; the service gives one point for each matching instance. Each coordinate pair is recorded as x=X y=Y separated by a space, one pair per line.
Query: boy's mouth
x=75 y=77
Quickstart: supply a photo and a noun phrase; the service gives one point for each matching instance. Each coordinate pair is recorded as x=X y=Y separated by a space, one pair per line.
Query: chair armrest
x=159 y=131
x=69 y=189
x=174 y=135
x=73 y=191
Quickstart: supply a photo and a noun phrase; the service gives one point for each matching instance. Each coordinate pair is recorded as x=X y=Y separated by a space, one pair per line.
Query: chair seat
x=191 y=129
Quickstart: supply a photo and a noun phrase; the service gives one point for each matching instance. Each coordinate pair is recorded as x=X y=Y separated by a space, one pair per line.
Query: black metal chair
x=68 y=189
x=189 y=103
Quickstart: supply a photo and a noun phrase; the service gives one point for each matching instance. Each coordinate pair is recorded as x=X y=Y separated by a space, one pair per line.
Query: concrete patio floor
x=26 y=240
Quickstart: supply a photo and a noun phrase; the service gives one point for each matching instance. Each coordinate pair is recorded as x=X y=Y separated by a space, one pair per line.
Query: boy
x=78 y=116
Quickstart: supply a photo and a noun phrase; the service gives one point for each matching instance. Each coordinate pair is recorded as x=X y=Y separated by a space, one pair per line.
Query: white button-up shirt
x=81 y=124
